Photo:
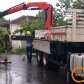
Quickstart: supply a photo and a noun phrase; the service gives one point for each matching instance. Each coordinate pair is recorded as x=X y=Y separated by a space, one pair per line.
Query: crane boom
x=38 y=5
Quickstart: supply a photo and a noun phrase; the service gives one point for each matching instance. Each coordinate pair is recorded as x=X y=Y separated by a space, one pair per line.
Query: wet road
x=19 y=72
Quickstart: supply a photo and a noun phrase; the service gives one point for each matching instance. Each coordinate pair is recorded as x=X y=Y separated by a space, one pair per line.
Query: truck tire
x=68 y=72
x=45 y=60
x=69 y=78
x=39 y=58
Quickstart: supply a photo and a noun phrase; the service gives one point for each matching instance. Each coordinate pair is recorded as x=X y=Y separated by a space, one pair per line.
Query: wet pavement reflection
x=21 y=72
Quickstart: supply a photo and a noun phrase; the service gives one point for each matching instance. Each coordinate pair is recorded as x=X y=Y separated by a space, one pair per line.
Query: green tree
x=78 y=4
x=66 y=3
x=41 y=15
x=31 y=26
x=58 y=19
x=59 y=12
x=4 y=38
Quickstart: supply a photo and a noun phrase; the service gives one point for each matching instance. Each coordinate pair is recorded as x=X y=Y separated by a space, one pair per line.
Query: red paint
x=59 y=33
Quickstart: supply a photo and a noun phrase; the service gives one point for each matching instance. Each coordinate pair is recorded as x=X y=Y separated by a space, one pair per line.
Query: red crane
x=36 y=5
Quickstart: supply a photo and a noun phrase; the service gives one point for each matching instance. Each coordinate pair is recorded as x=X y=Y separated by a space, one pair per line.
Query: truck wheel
x=39 y=58
x=69 y=79
x=45 y=60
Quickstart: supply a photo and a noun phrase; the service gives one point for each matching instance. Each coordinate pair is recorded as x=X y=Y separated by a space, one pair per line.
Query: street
x=21 y=72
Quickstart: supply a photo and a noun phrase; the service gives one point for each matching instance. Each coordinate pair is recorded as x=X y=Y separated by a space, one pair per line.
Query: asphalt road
x=21 y=72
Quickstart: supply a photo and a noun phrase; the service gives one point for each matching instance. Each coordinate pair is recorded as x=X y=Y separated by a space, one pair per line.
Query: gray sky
x=5 y=4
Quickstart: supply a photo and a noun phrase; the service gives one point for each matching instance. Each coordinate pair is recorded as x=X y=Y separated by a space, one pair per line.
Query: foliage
x=78 y=4
x=41 y=15
x=66 y=3
x=30 y=26
x=58 y=19
x=59 y=12
x=3 y=40
x=61 y=7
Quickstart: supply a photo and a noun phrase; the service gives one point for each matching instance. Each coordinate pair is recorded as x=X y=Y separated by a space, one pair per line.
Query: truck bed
x=41 y=45
x=46 y=45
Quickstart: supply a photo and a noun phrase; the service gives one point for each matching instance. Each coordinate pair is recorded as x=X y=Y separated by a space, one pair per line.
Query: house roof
x=22 y=18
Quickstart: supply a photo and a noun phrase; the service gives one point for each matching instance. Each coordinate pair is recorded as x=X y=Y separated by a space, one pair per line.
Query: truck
x=59 y=47
x=65 y=49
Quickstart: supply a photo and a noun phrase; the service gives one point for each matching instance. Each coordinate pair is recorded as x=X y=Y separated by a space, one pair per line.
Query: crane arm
x=35 y=5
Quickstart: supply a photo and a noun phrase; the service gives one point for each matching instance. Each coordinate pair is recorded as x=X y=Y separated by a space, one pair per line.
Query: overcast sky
x=5 y=4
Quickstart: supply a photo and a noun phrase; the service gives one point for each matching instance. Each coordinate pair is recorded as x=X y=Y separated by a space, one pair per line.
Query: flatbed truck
x=65 y=48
